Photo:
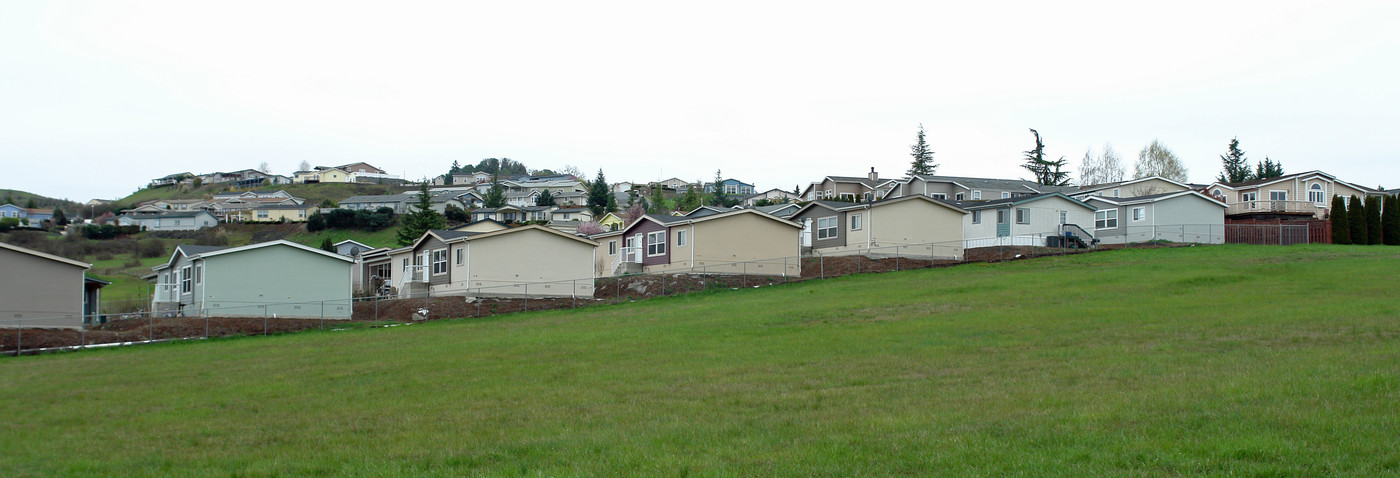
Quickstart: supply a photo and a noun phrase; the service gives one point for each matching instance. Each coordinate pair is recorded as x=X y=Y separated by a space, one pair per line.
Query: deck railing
x=1272 y=206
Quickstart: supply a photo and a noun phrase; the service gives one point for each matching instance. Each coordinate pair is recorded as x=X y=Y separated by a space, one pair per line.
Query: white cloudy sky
x=96 y=98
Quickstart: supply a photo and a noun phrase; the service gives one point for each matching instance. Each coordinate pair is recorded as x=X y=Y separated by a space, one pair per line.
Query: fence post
x=19 y=339
x=478 y=303
x=746 y=274
x=206 y=325
x=151 y=326
x=527 y=297
x=376 y=306
x=1280 y=234
x=896 y=257
x=618 y=292
x=663 y=284
x=264 y=306
x=821 y=260
x=322 y=324
x=573 y=294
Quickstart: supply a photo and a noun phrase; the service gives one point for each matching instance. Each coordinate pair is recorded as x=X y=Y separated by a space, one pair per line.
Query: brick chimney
x=874 y=176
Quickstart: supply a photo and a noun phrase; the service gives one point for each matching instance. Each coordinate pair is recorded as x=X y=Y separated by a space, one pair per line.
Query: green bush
x=1341 y=228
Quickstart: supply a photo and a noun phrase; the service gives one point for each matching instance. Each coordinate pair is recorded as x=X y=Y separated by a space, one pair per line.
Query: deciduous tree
x=1156 y=160
x=1105 y=168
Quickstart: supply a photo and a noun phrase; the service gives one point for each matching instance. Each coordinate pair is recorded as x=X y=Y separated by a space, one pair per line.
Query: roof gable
x=61 y=260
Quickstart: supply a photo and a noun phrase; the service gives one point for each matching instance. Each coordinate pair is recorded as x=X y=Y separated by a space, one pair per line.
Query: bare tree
x=304 y=166
x=1101 y=169
x=1156 y=160
x=574 y=171
x=264 y=168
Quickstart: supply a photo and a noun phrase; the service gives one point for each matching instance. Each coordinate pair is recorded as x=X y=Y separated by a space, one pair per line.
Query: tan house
x=1148 y=186
x=1298 y=195
x=323 y=174
x=909 y=226
x=527 y=261
x=850 y=188
x=743 y=241
x=43 y=290
x=274 y=212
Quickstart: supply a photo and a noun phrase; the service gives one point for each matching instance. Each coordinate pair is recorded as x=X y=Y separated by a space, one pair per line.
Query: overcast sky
x=97 y=98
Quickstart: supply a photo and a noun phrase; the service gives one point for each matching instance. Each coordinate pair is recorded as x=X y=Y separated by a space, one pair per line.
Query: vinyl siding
x=292 y=281
x=39 y=291
x=817 y=212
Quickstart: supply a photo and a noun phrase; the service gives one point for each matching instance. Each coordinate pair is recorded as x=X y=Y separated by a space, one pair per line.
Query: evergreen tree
x=545 y=198
x=1356 y=219
x=496 y=196
x=600 y=199
x=455 y=214
x=691 y=200
x=315 y=222
x=658 y=200
x=1390 y=221
x=1373 y=220
x=922 y=163
x=59 y=218
x=30 y=204
x=421 y=220
x=1047 y=172
x=1341 y=227
x=326 y=245
x=718 y=198
x=1236 y=166
x=8 y=199
x=1268 y=169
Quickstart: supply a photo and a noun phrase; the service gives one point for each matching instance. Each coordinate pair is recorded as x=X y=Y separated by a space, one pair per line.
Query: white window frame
x=680 y=237
x=826 y=227
x=459 y=256
x=959 y=196
x=1115 y=192
x=1023 y=215
x=938 y=195
x=656 y=243
x=1002 y=216
x=1106 y=219
x=612 y=247
x=852 y=197
x=1139 y=213
x=1249 y=196
x=186 y=280
x=976 y=195
x=439 y=258
x=976 y=217
x=198 y=273
x=1282 y=192
x=856 y=221
x=1005 y=195
x=1064 y=217
x=1316 y=194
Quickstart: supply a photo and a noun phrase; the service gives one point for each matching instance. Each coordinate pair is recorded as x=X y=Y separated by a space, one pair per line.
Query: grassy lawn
x=1206 y=360
x=381 y=238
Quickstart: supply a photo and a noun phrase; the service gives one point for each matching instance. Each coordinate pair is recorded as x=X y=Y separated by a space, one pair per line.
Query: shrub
x=1390 y=221
x=1356 y=218
x=1373 y=220
x=150 y=248
x=316 y=222
x=1341 y=229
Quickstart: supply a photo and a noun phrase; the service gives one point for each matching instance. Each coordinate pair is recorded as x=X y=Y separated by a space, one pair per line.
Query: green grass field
x=1230 y=360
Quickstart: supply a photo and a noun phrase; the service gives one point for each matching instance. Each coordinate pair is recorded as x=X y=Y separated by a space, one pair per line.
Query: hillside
x=20 y=198
x=312 y=193
x=1228 y=360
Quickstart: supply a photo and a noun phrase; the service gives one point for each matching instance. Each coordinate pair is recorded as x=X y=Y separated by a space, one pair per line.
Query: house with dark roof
x=33 y=215
x=170 y=180
x=740 y=241
x=733 y=187
x=1291 y=196
x=958 y=188
x=46 y=291
x=849 y=188
x=780 y=210
x=526 y=261
x=774 y=196
x=908 y=226
x=1027 y=221
x=1179 y=216
x=398 y=202
x=1148 y=186
x=277 y=278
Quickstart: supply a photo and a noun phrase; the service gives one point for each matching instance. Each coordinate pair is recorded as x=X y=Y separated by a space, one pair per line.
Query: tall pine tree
x=1390 y=221
x=422 y=219
x=1047 y=172
x=1268 y=169
x=545 y=198
x=1356 y=219
x=1341 y=227
x=1236 y=166
x=658 y=199
x=496 y=196
x=922 y=164
x=1373 y=220
x=599 y=197
x=718 y=198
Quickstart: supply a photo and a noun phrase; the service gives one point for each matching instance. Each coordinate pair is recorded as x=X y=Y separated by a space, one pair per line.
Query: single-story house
x=44 y=290
x=1026 y=220
x=772 y=195
x=1148 y=186
x=350 y=247
x=735 y=242
x=277 y=278
x=910 y=226
x=170 y=220
x=484 y=225
x=571 y=214
x=35 y=216
x=527 y=261
x=849 y=188
x=398 y=202
x=611 y=222
x=287 y=212
x=960 y=188
x=1181 y=216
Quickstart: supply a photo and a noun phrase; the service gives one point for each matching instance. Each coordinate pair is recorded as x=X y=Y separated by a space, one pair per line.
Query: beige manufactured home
x=743 y=241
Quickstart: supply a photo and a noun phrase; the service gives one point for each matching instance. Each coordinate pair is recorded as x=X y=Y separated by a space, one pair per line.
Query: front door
x=807 y=232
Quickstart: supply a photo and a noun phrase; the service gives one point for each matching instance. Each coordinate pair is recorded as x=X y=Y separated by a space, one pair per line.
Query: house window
x=938 y=196
x=1064 y=218
x=828 y=194
x=1115 y=192
x=959 y=196
x=440 y=261
x=731 y=189
x=1005 y=194
x=848 y=197
x=405 y=264
x=1001 y=216
x=1139 y=213
x=459 y=256
x=976 y=217
x=680 y=238
x=855 y=222
x=261 y=215
x=1278 y=195
x=869 y=197
x=826 y=227
x=1106 y=219
x=198 y=273
x=186 y=280
x=1244 y=197
x=977 y=195
x=1023 y=215
x=612 y=247
x=1315 y=193
x=1218 y=193
x=656 y=243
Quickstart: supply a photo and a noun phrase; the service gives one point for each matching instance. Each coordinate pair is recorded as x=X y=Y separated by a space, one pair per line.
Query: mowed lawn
x=1203 y=360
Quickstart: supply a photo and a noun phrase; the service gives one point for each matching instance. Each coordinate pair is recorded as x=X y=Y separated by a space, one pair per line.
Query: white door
x=807 y=232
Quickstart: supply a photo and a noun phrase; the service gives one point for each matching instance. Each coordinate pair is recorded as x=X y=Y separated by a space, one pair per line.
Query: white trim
x=1133 y=213
x=660 y=244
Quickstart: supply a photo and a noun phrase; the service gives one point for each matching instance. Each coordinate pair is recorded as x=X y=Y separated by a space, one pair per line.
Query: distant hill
x=312 y=193
x=21 y=198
